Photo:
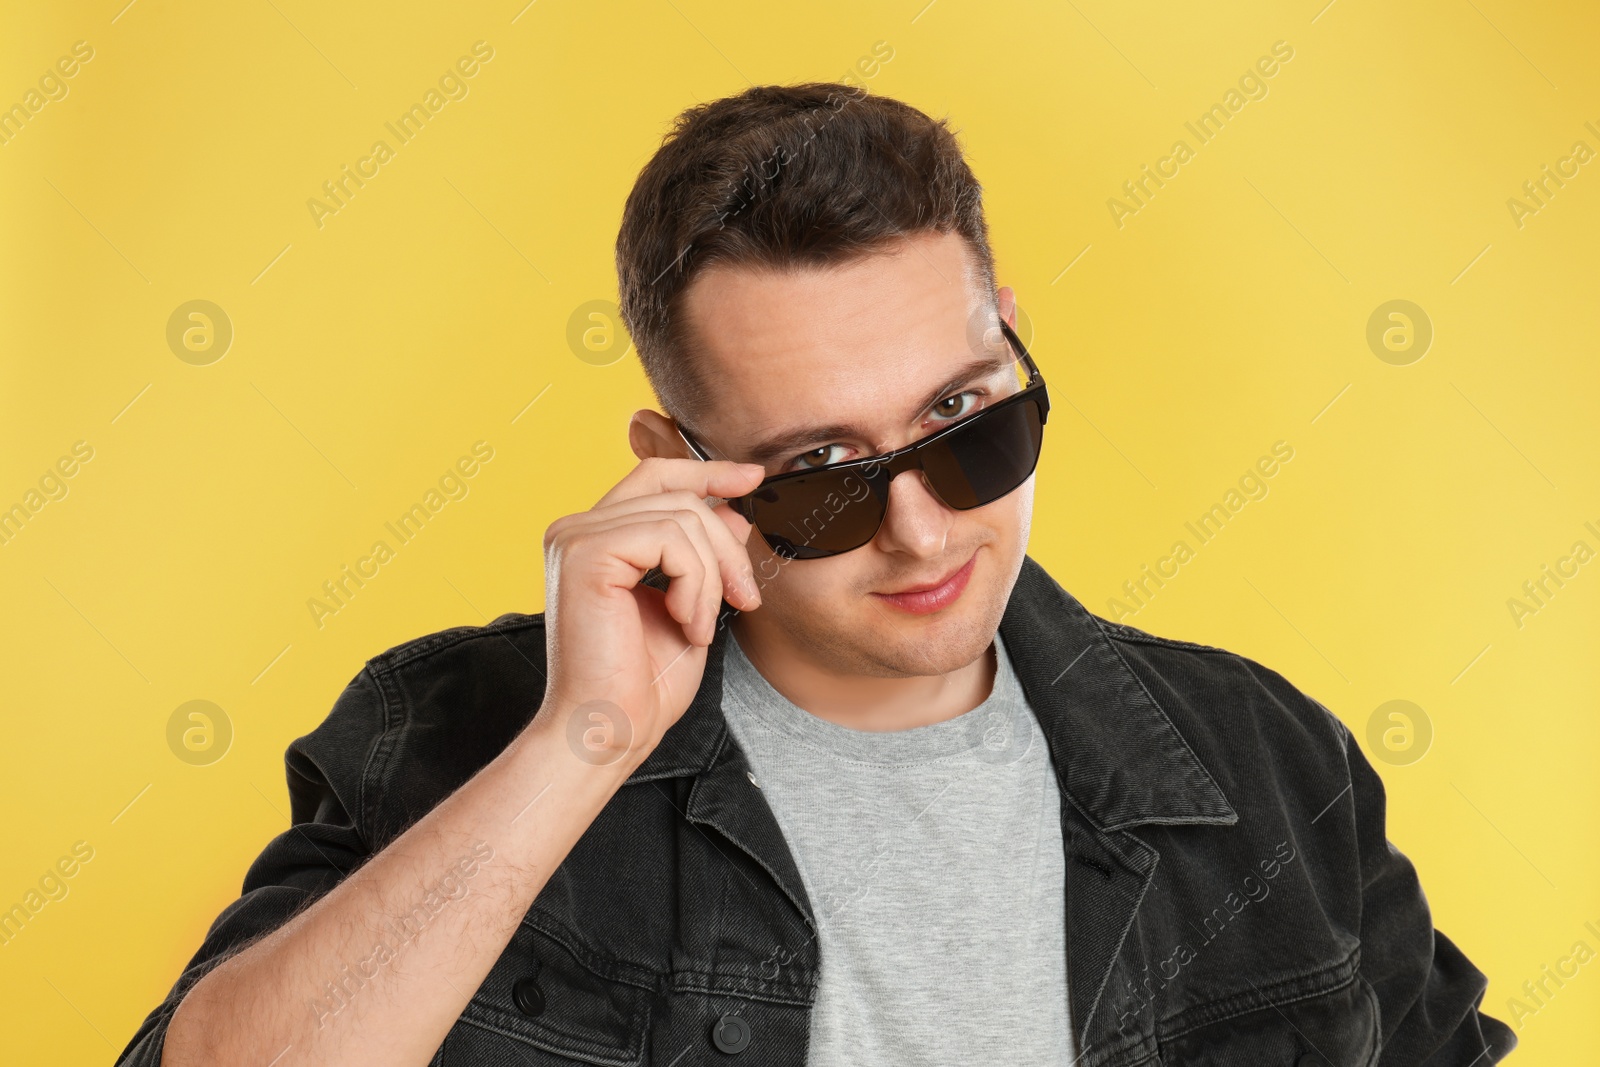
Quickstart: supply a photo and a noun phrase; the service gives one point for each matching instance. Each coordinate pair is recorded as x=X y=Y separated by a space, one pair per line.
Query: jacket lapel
x=723 y=797
x=1120 y=763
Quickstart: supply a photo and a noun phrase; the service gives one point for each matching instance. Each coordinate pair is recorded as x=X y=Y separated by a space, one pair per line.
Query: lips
x=929 y=597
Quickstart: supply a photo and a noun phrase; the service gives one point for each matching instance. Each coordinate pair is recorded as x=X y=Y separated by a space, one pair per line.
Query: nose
x=917 y=522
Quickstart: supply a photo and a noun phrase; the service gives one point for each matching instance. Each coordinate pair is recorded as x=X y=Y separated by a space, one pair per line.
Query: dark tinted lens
x=819 y=515
x=985 y=460
x=811 y=516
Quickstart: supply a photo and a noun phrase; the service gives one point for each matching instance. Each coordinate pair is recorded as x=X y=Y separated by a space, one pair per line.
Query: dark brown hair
x=781 y=177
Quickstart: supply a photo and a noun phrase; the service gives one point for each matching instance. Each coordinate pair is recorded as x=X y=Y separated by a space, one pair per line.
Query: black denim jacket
x=1231 y=896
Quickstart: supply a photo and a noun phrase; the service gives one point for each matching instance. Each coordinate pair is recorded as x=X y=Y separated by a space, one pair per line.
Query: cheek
x=1022 y=520
x=812 y=592
x=826 y=585
x=1008 y=519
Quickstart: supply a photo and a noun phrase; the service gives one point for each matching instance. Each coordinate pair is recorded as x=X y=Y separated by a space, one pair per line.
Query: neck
x=862 y=702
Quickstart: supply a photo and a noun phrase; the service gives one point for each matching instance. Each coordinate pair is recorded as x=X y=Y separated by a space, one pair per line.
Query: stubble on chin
x=884 y=643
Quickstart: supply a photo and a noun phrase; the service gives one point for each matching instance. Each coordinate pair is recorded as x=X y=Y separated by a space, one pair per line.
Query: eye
x=953 y=406
x=817 y=457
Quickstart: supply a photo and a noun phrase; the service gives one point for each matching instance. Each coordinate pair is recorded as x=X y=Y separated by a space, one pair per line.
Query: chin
x=939 y=643
x=941 y=655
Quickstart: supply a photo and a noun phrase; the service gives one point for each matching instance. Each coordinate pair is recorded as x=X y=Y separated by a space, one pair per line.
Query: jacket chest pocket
x=541 y=1005
x=1336 y=1028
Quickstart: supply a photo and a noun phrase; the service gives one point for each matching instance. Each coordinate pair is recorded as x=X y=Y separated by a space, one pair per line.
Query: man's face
x=840 y=362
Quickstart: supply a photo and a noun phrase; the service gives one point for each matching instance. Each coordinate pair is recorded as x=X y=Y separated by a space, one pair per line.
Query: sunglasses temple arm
x=689 y=442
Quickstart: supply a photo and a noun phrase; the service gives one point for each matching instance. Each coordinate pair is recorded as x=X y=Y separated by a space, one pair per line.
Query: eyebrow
x=786 y=443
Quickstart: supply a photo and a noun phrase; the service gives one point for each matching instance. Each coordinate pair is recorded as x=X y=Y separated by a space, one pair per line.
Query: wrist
x=593 y=742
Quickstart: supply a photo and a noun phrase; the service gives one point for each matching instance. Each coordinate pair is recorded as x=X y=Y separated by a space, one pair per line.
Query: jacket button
x=527 y=996
x=731 y=1034
x=1311 y=1059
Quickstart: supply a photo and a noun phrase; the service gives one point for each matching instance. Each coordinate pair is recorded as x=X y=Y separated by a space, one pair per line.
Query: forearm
x=378 y=969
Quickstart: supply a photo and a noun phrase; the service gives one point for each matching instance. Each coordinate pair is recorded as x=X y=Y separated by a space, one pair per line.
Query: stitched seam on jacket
x=485 y=1018
x=1377 y=1020
x=488 y=1013
x=1342 y=734
x=1237 y=1004
x=603 y=967
x=725 y=742
x=1129 y=633
x=726 y=985
x=381 y=751
x=422 y=647
x=1098 y=999
x=384 y=668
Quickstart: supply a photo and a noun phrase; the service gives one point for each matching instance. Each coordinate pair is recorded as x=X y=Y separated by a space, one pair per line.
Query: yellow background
x=368 y=354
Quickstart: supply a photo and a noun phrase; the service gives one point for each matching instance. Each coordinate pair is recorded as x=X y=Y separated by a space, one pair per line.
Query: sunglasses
x=823 y=511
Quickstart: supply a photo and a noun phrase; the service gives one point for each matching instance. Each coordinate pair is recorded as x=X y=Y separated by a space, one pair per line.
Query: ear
x=653 y=435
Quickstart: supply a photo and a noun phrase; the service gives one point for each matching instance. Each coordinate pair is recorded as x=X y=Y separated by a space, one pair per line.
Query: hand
x=625 y=649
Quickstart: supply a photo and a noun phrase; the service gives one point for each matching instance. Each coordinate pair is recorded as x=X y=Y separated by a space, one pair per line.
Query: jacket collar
x=1118 y=756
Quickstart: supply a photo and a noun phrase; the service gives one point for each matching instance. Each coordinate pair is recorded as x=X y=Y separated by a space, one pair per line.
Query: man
x=805 y=761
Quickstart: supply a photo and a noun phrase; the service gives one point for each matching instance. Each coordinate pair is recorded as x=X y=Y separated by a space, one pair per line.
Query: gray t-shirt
x=933 y=861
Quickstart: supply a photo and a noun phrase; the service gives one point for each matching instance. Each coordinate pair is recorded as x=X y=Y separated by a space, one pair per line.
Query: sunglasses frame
x=901 y=459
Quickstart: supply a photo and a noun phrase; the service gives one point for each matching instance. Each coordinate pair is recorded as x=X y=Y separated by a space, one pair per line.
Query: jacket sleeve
x=324 y=843
x=1428 y=992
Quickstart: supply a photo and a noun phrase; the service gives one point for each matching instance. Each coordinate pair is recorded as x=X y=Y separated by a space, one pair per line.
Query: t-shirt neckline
x=990 y=726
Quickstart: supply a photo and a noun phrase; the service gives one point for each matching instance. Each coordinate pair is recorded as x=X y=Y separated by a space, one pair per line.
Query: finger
x=732 y=560
x=703 y=478
x=694 y=590
x=737 y=577
x=735 y=522
x=709 y=601
x=653 y=539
